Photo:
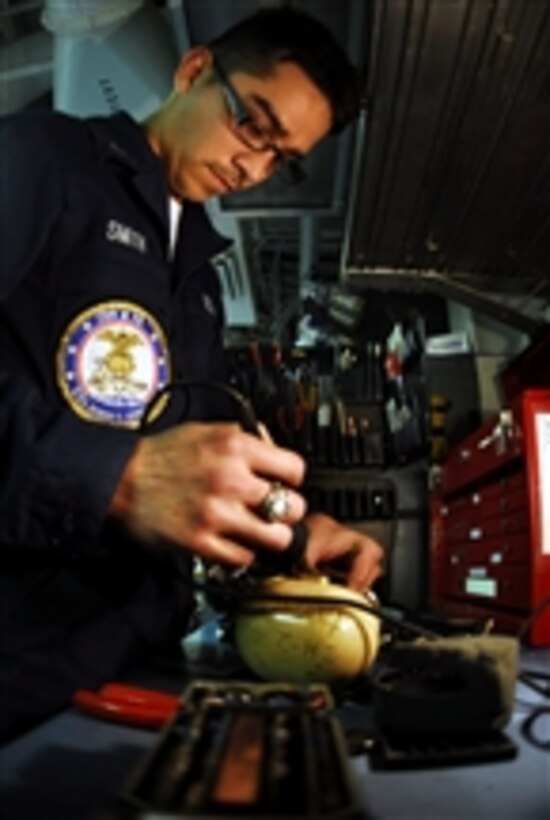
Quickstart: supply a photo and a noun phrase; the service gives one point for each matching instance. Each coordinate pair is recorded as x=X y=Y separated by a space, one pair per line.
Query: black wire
x=246 y=415
x=528 y=729
x=245 y=597
x=532 y=679
x=528 y=622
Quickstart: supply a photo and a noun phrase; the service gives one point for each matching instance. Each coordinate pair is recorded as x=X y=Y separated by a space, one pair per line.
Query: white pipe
x=73 y=17
x=110 y=56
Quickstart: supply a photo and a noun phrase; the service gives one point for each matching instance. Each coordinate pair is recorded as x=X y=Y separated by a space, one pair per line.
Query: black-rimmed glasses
x=253 y=136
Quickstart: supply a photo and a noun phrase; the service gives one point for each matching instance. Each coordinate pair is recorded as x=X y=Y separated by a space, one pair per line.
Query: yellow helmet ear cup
x=322 y=639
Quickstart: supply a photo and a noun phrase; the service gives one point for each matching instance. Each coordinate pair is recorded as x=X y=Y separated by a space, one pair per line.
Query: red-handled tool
x=123 y=703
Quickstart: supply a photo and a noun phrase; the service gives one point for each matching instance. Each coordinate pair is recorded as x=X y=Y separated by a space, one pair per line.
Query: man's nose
x=255 y=166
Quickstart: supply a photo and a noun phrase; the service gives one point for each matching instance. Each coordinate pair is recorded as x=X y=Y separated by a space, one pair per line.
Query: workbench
x=72 y=767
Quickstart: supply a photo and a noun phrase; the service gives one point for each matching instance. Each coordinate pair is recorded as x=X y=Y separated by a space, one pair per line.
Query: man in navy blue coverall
x=107 y=295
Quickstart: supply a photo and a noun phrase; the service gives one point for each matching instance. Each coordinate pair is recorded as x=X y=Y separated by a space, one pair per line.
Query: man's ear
x=193 y=63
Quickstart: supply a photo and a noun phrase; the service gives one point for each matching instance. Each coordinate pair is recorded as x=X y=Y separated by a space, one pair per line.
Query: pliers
x=124 y=703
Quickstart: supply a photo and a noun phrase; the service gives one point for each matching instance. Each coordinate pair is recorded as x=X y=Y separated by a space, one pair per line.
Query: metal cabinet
x=490 y=522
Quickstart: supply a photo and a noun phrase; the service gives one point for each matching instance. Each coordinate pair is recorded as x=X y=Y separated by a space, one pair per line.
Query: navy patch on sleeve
x=111 y=360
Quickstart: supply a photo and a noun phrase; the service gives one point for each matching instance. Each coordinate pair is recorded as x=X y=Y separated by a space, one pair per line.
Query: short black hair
x=275 y=35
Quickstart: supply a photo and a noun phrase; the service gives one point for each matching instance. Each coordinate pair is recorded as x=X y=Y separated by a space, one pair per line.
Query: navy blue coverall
x=96 y=314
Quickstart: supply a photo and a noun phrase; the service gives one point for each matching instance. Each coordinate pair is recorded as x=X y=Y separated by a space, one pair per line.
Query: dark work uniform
x=95 y=316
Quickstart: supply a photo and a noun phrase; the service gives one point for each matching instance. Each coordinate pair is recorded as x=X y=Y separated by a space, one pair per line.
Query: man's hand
x=330 y=541
x=198 y=487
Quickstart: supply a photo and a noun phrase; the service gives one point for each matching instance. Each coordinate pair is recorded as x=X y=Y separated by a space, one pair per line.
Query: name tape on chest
x=111 y=360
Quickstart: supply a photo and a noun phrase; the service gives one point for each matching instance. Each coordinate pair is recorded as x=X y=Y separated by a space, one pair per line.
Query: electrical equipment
x=243 y=750
x=307 y=629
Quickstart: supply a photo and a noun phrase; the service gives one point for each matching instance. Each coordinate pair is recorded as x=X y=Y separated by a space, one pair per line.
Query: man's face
x=200 y=145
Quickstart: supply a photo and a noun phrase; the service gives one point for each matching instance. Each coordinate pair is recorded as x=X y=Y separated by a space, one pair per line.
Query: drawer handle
x=501 y=434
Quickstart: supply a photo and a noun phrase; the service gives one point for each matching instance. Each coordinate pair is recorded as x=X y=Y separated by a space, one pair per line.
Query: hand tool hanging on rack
x=307 y=391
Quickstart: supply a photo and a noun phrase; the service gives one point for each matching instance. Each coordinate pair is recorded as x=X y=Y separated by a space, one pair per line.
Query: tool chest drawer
x=509 y=585
x=473 y=527
x=490 y=500
x=490 y=517
x=505 y=549
x=496 y=444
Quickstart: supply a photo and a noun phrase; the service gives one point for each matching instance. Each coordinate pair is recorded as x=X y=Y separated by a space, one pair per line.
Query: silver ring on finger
x=276 y=504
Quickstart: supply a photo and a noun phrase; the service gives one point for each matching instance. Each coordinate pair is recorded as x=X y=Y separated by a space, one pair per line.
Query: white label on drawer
x=542 y=428
x=477 y=572
x=487 y=587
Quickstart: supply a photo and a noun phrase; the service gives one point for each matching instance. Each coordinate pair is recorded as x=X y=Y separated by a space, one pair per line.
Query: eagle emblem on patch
x=111 y=360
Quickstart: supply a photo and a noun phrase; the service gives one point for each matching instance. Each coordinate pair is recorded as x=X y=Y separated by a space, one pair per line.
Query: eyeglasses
x=251 y=134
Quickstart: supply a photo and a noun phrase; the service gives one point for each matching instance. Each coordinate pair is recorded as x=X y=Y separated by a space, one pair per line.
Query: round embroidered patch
x=111 y=361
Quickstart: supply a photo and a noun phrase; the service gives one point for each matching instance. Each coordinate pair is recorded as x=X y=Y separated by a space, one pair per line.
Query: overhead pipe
x=26 y=65
x=73 y=17
x=421 y=280
x=110 y=55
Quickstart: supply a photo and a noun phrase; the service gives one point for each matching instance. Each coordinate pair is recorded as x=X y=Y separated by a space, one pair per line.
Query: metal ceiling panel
x=452 y=173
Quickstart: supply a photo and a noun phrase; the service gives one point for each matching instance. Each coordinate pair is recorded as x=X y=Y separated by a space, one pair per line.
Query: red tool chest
x=490 y=516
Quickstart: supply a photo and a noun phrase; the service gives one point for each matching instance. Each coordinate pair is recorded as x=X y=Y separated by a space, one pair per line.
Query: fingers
x=221 y=550
x=330 y=541
x=245 y=526
x=367 y=564
x=257 y=492
x=229 y=548
x=200 y=487
x=239 y=463
x=267 y=459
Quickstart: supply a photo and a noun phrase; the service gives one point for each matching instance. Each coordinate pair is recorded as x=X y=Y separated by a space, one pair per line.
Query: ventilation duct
x=109 y=56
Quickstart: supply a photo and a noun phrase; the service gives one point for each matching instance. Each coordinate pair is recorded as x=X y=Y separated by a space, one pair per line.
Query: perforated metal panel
x=452 y=176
